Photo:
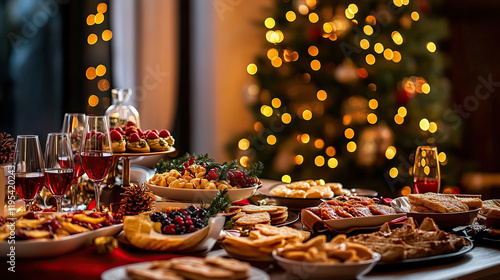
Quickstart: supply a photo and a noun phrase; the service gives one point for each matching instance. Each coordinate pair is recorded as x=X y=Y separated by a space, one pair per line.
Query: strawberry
x=164 y=133
x=141 y=134
x=115 y=135
x=130 y=130
x=155 y=131
x=134 y=137
x=152 y=135
x=120 y=130
x=130 y=123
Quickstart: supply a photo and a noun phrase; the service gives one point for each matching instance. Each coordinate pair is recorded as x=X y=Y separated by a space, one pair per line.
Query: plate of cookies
x=245 y=217
x=302 y=194
x=187 y=268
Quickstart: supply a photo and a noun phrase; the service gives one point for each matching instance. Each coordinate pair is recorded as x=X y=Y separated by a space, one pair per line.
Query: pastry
x=437 y=203
x=165 y=135
x=136 y=144
x=117 y=142
x=156 y=143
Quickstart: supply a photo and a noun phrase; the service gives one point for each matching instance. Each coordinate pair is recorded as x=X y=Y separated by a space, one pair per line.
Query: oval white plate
x=120 y=273
x=200 y=195
x=49 y=247
x=311 y=270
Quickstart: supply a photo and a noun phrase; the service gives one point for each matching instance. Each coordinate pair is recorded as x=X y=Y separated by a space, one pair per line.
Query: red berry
x=134 y=137
x=120 y=130
x=152 y=135
x=164 y=133
x=130 y=130
x=155 y=131
x=139 y=131
x=115 y=135
x=131 y=123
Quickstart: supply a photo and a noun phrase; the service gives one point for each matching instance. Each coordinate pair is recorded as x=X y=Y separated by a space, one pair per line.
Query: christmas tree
x=346 y=90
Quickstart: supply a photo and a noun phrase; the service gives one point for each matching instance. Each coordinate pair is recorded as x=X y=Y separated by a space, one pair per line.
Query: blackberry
x=158 y=216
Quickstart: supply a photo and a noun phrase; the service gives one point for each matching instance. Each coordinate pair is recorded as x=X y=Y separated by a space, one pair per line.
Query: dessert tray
x=120 y=273
x=200 y=195
x=37 y=248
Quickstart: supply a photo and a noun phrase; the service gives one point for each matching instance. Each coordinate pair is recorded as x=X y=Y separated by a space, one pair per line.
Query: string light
x=373 y=104
x=276 y=102
x=92 y=39
x=426 y=88
x=99 y=18
x=378 y=48
x=276 y=62
x=442 y=157
x=349 y=133
x=351 y=147
x=252 y=69
x=433 y=127
x=305 y=138
x=313 y=17
x=271 y=139
x=244 y=161
x=393 y=172
x=90 y=73
x=390 y=152
x=272 y=53
x=319 y=143
x=286 y=118
x=290 y=16
x=107 y=35
x=330 y=151
x=266 y=110
x=315 y=65
x=415 y=16
x=319 y=161
x=313 y=51
x=307 y=115
x=269 y=23
x=397 y=56
x=368 y=30
x=370 y=59
x=402 y=111
x=397 y=38
x=405 y=191
x=431 y=47
x=333 y=162
x=299 y=159
x=424 y=124
x=286 y=179
x=364 y=44
x=243 y=144
x=321 y=95
x=100 y=70
x=93 y=100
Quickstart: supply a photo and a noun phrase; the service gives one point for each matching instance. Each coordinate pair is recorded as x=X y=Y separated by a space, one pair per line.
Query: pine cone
x=136 y=199
x=7 y=147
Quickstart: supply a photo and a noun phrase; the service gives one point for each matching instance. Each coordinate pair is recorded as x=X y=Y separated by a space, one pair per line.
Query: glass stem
x=27 y=204
x=59 y=203
x=97 y=190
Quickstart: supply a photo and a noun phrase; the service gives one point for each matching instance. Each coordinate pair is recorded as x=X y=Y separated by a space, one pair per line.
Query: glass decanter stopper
x=121 y=112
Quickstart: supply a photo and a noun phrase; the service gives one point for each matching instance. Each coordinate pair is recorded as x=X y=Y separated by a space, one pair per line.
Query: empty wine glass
x=426 y=174
x=73 y=125
x=59 y=166
x=28 y=168
x=96 y=152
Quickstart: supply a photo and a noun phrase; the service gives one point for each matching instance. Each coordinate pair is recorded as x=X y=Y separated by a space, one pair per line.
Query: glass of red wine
x=59 y=166
x=28 y=168
x=426 y=174
x=73 y=125
x=96 y=152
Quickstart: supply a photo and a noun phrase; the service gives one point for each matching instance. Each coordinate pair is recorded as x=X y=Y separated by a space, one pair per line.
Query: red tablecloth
x=82 y=264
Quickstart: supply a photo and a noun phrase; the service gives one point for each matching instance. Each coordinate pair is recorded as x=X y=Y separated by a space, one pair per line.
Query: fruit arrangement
x=54 y=226
x=130 y=137
x=202 y=172
x=181 y=221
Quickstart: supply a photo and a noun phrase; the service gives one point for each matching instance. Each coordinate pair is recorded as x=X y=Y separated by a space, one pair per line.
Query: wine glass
x=96 y=152
x=28 y=168
x=59 y=166
x=73 y=125
x=426 y=174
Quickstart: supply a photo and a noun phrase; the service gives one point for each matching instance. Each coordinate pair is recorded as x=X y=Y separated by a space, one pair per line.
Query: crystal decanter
x=121 y=112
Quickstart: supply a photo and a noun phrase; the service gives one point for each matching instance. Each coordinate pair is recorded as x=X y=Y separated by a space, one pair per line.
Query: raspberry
x=212 y=174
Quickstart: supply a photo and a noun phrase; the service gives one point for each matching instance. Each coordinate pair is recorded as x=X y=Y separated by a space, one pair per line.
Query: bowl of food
x=318 y=259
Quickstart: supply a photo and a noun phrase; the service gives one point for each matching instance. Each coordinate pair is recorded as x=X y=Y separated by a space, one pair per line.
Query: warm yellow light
x=303 y=9
x=333 y=162
x=402 y=111
x=426 y=88
x=424 y=124
x=349 y=133
x=286 y=118
x=372 y=87
x=311 y=3
x=431 y=47
x=91 y=19
x=315 y=65
x=272 y=53
x=90 y=73
x=330 y=151
x=266 y=110
x=271 y=139
x=102 y=8
x=319 y=143
x=327 y=27
x=372 y=118
x=348 y=14
x=442 y=157
x=378 y=48
x=276 y=102
x=427 y=170
x=397 y=56
x=313 y=51
x=415 y=16
x=397 y=38
x=313 y=17
x=286 y=179
x=299 y=159
x=405 y=191
x=305 y=138
x=398 y=3
x=390 y=152
x=269 y=23
x=307 y=115
x=368 y=30
x=370 y=59
x=347 y=119
x=364 y=44
x=393 y=172
x=274 y=36
x=100 y=70
x=92 y=39
x=243 y=144
x=319 y=161
x=290 y=16
x=257 y=126
x=103 y=85
x=93 y=100
x=276 y=62
x=99 y=18
x=107 y=35
x=321 y=95
x=252 y=69
x=406 y=2
x=388 y=54
x=351 y=146
x=433 y=127
x=398 y=119
x=352 y=8
x=373 y=104
x=244 y=161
